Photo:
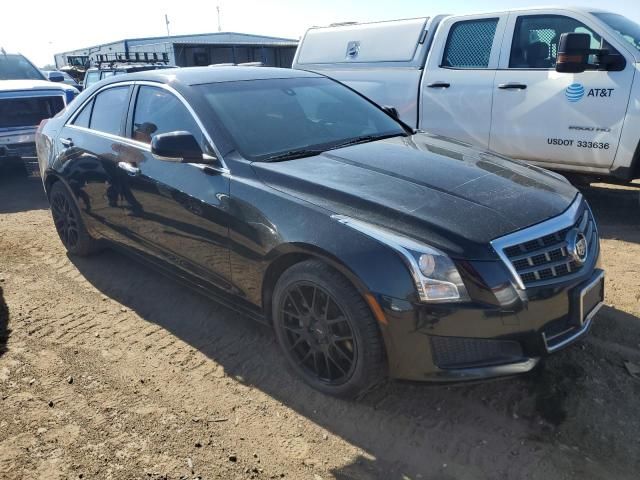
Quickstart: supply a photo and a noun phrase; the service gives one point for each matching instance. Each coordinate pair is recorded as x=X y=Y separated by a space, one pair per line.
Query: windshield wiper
x=365 y=139
x=293 y=154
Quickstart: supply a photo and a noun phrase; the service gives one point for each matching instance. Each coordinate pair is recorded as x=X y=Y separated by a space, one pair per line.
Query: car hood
x=21 y=85
x=431 y=188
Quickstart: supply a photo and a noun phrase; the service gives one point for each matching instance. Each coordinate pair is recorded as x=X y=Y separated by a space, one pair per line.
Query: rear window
x=28 y=112
x=469 y=44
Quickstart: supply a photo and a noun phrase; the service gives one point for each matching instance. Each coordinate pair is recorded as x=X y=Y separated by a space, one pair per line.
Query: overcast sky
x=38 y=28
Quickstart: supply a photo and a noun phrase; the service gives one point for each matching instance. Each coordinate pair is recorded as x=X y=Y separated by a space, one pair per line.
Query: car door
x=91 y=147
x=178 y=211
x=457 y=86
x=551 y=118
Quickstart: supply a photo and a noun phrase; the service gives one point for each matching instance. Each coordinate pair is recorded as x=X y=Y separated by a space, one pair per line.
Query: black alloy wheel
x=326 y=331
x=68 y=222
x=318 y=334
x=65 y=220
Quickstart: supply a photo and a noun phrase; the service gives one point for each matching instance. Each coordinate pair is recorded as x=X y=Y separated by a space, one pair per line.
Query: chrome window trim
x=144 y=146
x=547 y=227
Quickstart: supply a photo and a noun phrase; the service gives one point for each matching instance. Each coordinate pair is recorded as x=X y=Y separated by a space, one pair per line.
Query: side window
x=159 y=111
x=469 y=43
x=536 y=37
x=92 y=77
x=82 y=120
x=109 y=109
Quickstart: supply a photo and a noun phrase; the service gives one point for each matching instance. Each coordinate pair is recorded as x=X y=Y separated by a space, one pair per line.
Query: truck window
x=469 y=43
x=91 y=78
x=536 y=37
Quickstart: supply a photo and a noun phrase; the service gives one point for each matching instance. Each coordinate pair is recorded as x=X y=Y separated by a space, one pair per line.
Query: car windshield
x=16 y=67
x=278 y=119
x=627 y=29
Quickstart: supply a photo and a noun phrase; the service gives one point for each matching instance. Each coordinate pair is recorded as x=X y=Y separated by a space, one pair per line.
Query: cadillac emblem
x=577 y=247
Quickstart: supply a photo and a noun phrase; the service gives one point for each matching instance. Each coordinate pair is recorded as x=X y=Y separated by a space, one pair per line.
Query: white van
x=558 y=87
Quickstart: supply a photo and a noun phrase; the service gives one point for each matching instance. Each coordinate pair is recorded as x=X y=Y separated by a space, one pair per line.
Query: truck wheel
x=327 y=332
x=69 y=224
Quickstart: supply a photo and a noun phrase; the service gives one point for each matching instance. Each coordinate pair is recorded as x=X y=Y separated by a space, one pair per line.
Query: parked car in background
x=95 y=74
x=371 y=249
x=57 y=76
x=26 y=98
x=558 y=87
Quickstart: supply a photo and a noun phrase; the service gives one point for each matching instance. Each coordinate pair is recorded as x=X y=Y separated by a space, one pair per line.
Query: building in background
x=186 y=51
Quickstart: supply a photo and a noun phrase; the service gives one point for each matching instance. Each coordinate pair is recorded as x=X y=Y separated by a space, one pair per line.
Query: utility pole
x=166 y=20
x=218 y=10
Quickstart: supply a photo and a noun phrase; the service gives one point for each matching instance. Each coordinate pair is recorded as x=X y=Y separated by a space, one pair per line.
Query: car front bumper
x=449 y=343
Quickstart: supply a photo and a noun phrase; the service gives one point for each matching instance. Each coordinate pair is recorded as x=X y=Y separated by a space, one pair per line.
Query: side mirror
x=176 y=147
x=573 y=52
x=391 y=111
x=55 y=77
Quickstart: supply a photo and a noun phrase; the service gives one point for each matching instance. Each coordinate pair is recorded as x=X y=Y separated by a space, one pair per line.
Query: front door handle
x=67 y=142
x=439 y=85
x=130 y=169
x=512 y=86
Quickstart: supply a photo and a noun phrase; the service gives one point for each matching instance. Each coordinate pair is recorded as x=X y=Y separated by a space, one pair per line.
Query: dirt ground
x=110 y=371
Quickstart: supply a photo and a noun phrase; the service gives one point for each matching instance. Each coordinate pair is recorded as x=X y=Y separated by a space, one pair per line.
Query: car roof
x=199 y=75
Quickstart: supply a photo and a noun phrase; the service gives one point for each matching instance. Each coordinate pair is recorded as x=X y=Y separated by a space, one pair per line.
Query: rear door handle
x=439 y=85
x=130 y=169
x=512 y=86
x=67 y=142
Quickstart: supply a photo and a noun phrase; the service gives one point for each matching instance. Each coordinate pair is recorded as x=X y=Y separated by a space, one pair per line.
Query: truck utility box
x=501 y=81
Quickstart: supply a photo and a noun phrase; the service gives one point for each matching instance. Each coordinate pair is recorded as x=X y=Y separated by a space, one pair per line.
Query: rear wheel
x=69 y=224
x=326 y=331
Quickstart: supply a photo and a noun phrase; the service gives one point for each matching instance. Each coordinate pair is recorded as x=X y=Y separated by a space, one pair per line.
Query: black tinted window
x=469 y=44
x=82 y=120
x=536 y=37
x=268 y=117
x=109 y=108
x=159 y=111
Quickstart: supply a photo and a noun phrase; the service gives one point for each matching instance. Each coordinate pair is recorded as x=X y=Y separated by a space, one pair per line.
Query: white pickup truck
x=26 y=98
x=557 y=87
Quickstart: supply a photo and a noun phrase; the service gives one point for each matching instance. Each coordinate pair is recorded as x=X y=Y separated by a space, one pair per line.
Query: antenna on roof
x=166 y=20
x=218 y=10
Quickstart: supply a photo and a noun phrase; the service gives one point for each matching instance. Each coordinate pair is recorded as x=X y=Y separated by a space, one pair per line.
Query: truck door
x=457 y=85
x=556 y=119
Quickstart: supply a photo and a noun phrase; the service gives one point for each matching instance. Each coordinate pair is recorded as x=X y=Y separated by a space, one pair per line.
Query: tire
x=69 y=224
x=329 y=337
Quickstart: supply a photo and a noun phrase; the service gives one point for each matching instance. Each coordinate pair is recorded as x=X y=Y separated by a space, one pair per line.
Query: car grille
x=545 y=257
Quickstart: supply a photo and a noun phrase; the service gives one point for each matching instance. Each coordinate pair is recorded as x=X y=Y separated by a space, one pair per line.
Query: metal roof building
x=188 y=50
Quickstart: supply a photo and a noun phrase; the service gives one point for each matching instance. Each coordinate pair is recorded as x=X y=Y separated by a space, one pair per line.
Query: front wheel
x=327 y=331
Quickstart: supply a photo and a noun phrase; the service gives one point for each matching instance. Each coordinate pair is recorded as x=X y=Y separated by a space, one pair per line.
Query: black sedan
x=374 y=251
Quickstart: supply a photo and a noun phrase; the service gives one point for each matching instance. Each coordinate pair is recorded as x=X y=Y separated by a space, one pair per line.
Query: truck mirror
x=573 y=52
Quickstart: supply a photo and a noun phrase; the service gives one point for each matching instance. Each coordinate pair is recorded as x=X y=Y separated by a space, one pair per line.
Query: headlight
x=436 y=277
